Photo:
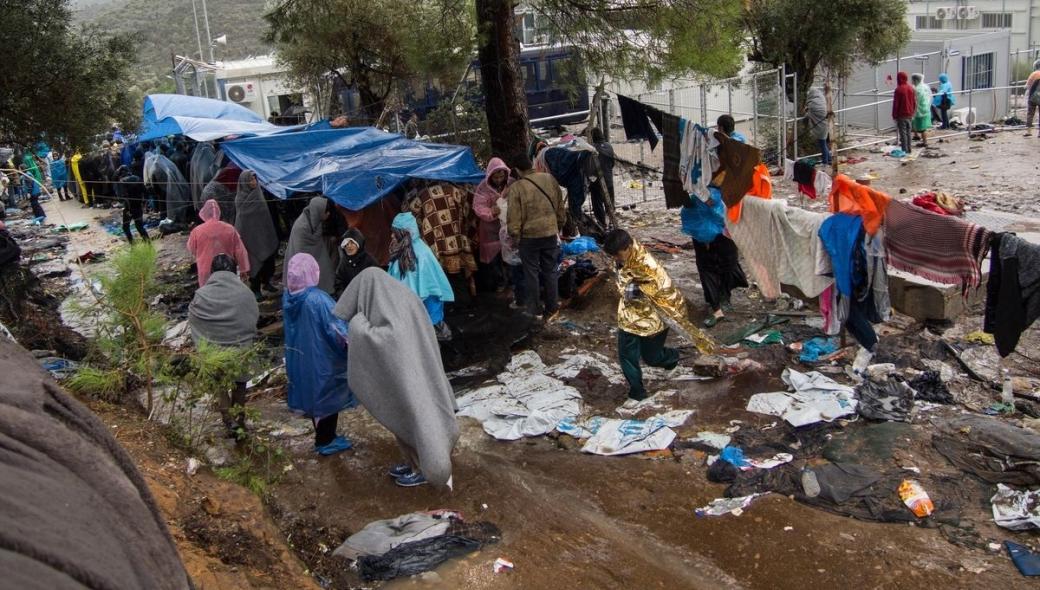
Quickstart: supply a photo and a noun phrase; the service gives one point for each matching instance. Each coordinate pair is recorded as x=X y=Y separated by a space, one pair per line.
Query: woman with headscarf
x=923 y=113
x=485 y=206
x=253 y=222
x=202 y=169
x=310 y=234
x=944 y=100
x=414 y=264
x=224 y=313
x=352 y=259
x=396 y=372
x=816 y=114
x=222 y=189
x=315 y=354
x=213 y=237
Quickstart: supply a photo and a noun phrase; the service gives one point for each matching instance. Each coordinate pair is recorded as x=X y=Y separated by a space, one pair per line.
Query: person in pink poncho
x=214 y=237
x=485 y=206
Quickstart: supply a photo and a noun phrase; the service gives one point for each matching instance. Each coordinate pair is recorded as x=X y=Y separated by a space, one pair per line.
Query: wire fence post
x=754 y=109
x=971 y=87
x=794 y=79
x=781 y=115
x=671 y=101
x=877 y=106
x=704 y=105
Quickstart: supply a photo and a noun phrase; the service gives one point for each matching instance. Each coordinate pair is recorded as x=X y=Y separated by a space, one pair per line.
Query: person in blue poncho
x=414 y=264
x=60 y=177
x=944 y=99
x=315 y=355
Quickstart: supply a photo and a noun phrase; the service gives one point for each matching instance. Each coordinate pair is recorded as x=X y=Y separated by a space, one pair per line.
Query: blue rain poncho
x=944 y=88
x=842 y=237
x=704 y=222
x=315 y=354
x=428 y=280
x=59 y=173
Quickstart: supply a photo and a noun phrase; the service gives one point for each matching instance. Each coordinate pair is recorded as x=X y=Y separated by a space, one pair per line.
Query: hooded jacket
x=484 y=200
x=351 y=266
x=904 y=99
x=945 y=88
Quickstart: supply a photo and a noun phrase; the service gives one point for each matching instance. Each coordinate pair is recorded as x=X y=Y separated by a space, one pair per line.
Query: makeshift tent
x=354 y=167
x=202 y=119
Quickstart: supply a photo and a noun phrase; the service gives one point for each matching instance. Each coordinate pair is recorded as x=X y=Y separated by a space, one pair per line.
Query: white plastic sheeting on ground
x=608 y=436
x=1016 y=510
x=815 y=397
x=525 y=402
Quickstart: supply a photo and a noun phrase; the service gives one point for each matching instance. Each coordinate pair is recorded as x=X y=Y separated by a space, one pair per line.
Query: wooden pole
x=828 y=92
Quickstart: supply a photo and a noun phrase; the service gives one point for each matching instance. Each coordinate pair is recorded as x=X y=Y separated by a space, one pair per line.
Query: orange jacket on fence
x=849 y=196
x=761 y=186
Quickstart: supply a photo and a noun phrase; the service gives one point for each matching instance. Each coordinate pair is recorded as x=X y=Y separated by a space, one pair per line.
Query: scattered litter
x=623 y=437
x=721 y=506
x=632 y=407
x=714 y=440
x=777 y=459
x=263 y=377
x=192 y=466
x=1016 y=510
x=979 y=337
x=502 y=565
x=884 y=397
x=1027 y=561
x=178 y=335
x=816 y=348
x=815 y=398
x=58 y=367
x=929 y=387
x=734 y=456
x=915 y=498
x=764 y=338
x=788 y=528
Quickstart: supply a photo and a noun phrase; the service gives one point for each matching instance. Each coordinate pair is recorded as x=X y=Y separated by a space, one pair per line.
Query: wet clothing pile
x=396 y=370
x=415 y=543
x=1013 y=290
x=939 y=202
x=445 y=219
x=939 y=248
x=886 y=397
x=990 y=449
x=76 y=511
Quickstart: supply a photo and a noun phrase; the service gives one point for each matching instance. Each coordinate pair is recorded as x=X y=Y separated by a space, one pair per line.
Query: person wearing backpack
x=1033 y=97
x=536 y=212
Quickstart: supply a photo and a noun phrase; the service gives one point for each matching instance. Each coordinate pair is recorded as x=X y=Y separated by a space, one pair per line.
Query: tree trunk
x=505 y=102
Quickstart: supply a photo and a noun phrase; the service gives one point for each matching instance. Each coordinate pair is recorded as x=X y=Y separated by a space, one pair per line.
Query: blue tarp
x=202 y=119
x=355 y=166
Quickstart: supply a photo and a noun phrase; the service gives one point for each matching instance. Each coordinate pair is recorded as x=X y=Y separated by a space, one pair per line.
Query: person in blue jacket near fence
x=315 y=355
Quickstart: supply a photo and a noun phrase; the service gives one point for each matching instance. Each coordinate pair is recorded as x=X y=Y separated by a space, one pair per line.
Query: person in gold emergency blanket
x=647 y=294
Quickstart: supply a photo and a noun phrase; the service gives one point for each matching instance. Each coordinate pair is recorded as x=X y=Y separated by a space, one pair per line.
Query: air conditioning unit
x=967 y=12
x=244 y=92
x=945 y=13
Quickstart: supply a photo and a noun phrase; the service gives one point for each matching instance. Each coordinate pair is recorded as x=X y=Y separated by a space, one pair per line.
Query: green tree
x=806 y=35
x=60 y=82
x=372 y=45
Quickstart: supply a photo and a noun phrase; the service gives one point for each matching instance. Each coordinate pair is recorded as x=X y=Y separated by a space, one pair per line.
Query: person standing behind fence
x=904 y=105
x=1033 y=97
x=816 y=113
x=923 y=108
x=606 y=167
x=536 y=213
x=944 y=100
x=130 y=190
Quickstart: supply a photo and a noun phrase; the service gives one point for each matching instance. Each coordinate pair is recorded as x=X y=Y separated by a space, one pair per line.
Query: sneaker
x=443 y=332
x=400 y=470
x=338 y=445
x=413 y=479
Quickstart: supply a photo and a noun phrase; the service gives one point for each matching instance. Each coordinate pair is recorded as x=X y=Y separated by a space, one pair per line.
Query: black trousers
x=718 y=265
x=325 y=430
x=266 y=272
x=133 y=210
x=599 y=200
x=540 y=257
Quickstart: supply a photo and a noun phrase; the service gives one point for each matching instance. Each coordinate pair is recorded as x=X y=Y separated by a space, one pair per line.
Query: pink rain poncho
x=303 y=272
x=215 y=237
x=484 y=200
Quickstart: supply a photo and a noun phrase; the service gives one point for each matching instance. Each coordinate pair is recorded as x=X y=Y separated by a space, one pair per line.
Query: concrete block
x=923 y=300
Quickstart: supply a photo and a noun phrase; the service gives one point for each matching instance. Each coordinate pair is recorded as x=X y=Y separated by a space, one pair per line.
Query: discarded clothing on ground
x=815 y=397
x=525 y=402
x=939 y=203
x=1016 y=510
x=607 y=436
x=380 y=536
x=1013 y=290
x=813 y=349
x=990 y=448
x=929 y=387
x=886 y=397
x=939 y=248
x=782 y=246
x=721 y=506
x=418 y=556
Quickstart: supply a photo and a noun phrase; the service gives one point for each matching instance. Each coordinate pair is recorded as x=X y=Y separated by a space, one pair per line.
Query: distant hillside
x=168 y=27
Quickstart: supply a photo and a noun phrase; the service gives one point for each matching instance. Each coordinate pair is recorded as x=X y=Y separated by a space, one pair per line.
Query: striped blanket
x=939 y=248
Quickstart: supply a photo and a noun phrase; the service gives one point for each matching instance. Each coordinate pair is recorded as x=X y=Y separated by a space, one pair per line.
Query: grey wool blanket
x=395 y=368
x=224 y=311
x=74 y=511
x=308 y=236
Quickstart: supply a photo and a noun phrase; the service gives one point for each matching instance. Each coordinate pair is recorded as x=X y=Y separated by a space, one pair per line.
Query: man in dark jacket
x=535 y=214
x=606 y=168
x=130 y=190
x=904 y=104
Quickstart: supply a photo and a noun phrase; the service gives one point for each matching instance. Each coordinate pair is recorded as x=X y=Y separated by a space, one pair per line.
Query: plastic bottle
x=915 y=498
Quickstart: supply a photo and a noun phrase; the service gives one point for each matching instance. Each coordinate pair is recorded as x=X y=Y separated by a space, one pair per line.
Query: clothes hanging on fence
x=821 y=181
x=1013 y=290
x=805 y=178
x=675 y=193
x=737 y=162
x=782 y=245
x=697 y=160
x=842 y=237
x=939 y=248
x=635 y=120
x=849 y=196
x=877 y=274
x=761 y=187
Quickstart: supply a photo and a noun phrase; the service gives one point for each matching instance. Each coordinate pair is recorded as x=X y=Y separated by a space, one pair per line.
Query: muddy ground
x=584 y=521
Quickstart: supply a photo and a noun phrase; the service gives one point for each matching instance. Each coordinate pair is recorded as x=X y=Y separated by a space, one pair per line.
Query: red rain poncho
x=215 y=237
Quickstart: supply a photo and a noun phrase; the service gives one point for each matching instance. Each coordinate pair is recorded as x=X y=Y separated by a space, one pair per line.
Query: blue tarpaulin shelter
x=355 y=166
x=202 y=119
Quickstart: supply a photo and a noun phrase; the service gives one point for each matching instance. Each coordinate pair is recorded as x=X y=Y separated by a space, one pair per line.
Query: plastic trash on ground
x=1016 y=510
x=813 y=349
x=721 y=506
x=815 y=398
x=916 y=498
x=503 y=565
x=1027 y=562
x=580 y=245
